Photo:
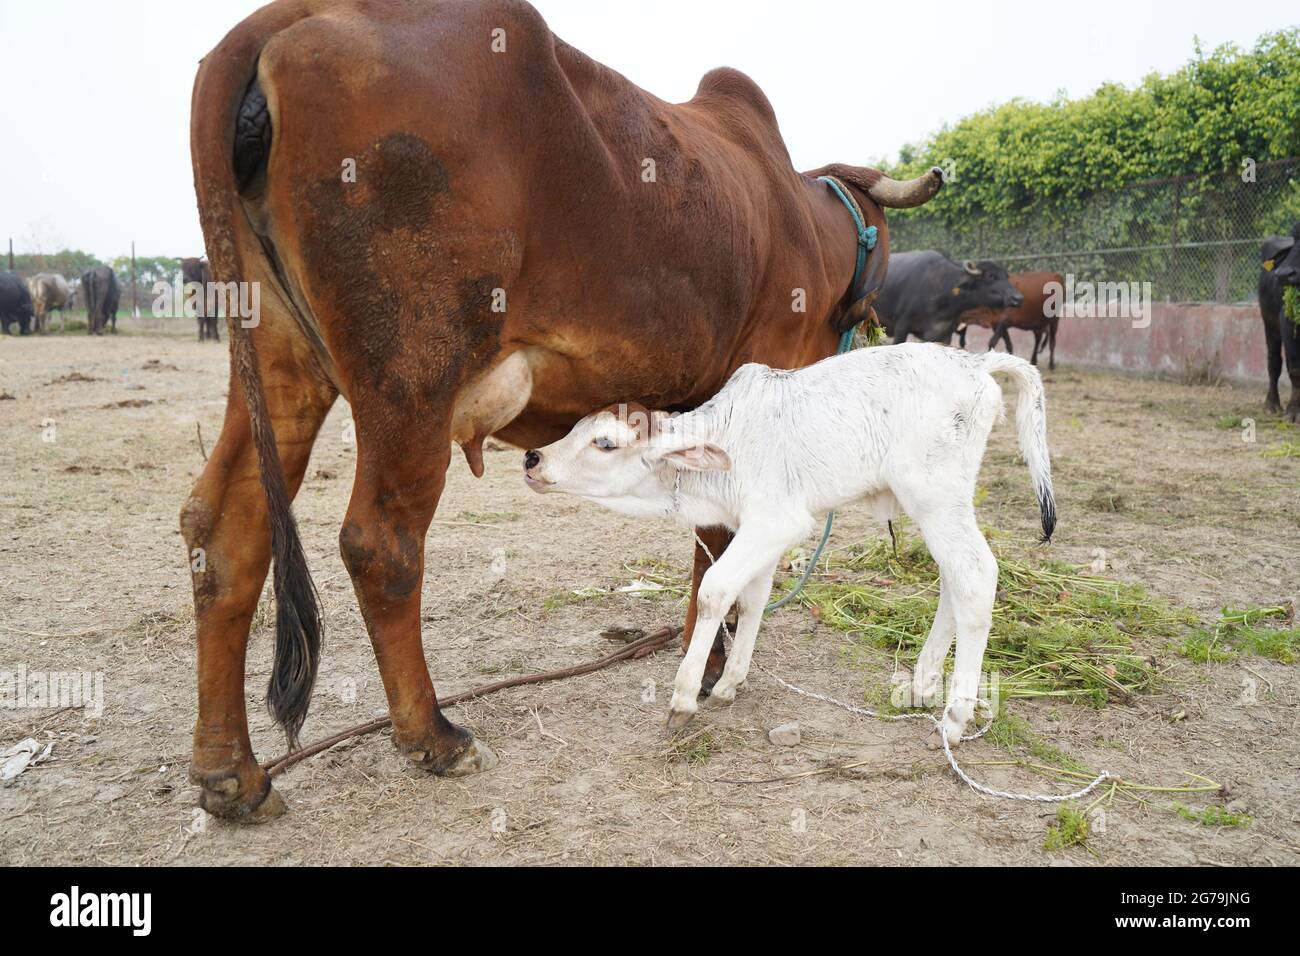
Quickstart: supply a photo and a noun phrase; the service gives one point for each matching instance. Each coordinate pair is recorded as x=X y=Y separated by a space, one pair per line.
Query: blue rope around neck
x=866 y=242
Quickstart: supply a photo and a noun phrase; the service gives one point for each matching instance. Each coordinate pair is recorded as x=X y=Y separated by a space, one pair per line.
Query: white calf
x=900 y=426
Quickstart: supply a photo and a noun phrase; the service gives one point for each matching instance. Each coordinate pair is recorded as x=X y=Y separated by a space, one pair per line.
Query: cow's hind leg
x=401 y=469
x=717 y=540
x=225 y=525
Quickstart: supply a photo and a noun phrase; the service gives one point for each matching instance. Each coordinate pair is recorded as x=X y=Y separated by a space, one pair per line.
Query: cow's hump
x=725 y=81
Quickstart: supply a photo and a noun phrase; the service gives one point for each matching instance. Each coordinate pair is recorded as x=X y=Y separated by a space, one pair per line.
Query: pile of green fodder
x=1057 y=632
x=1259 y=631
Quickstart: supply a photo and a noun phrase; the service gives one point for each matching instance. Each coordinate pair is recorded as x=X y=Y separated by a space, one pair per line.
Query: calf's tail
x=1031 y=423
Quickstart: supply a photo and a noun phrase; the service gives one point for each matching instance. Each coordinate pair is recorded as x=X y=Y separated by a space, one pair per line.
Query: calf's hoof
x=720 y=696
x=677 y=719
x=250 y=799
x=935 y=740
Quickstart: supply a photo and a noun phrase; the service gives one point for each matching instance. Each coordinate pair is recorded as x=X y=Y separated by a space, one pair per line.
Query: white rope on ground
x=937 y=721
x=947 y=750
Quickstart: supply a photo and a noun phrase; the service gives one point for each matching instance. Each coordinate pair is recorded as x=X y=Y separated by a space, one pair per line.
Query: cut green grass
x=1070 y=829
x=1016 y=736
x=1214 y=816
x=1286 y=449
x=1056 y=631
x=1245 y=631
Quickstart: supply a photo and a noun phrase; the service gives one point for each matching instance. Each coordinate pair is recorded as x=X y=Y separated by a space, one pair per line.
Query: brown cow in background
x=528 y=236
x=1036 y=314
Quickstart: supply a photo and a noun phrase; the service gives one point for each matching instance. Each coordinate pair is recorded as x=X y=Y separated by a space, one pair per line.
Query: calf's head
x=623 y=457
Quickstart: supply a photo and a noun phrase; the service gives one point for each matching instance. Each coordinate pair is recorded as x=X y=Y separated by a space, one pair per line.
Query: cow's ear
x=702 y=456
x=1275 y=248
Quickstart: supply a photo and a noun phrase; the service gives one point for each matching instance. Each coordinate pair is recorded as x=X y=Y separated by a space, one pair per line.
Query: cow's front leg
x=717 y=540
x=754 y=549
x=401 y=468
x=1291 y=349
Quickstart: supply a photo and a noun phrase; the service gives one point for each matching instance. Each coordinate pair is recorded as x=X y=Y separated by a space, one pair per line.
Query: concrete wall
x=1179 y=333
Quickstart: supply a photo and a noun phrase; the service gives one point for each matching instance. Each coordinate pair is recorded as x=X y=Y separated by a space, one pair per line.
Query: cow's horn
x=971 y=266
x=906 y=193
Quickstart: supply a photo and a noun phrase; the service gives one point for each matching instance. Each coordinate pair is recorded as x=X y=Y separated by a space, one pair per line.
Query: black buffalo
x=1281 y=257
x=15 y=303
x=99 y=291
x=925 y=294
x=196 y=271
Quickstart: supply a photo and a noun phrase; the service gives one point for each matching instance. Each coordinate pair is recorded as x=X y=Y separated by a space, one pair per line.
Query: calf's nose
x=531 y=459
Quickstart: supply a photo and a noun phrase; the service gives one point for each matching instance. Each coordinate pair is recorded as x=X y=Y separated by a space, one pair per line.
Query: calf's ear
x=704 y=456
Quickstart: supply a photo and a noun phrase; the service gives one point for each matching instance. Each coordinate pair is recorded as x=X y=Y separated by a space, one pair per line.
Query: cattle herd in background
x=926 y=295
x=26 y=304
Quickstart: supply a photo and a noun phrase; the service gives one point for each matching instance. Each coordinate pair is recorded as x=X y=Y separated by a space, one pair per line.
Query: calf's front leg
x=751 y=604
x=754 y=550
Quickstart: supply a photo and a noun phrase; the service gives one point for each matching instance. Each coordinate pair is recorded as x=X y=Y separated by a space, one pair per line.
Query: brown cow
x=467 y=228
x=1036 y=314
x=195 y=271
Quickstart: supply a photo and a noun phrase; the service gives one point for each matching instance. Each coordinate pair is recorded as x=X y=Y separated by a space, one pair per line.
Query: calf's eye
x=604 y=444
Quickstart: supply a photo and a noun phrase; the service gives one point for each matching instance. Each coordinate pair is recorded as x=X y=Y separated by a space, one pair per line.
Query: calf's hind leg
x=968 y=581
x=926 y=688
x=968 y=573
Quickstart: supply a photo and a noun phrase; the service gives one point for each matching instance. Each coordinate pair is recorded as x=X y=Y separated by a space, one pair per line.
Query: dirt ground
x=93 y=577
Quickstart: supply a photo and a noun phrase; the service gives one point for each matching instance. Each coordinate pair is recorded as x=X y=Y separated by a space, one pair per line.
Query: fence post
x=11 y=254
x=1173 y=244
x=135 y=302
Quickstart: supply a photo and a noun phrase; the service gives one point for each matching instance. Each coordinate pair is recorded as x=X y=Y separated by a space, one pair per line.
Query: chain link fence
x=1194 y=238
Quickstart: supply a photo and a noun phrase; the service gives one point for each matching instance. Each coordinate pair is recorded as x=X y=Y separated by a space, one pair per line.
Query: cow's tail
x=230 y=141
x=1031 y=423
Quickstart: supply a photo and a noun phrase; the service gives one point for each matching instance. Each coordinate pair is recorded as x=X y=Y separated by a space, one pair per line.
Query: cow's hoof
x=1292 y=413
x=470 y=757
x=224 y=796
x=477 y=758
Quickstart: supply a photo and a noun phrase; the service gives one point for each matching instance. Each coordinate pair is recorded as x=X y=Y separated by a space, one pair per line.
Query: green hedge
x=1209 y=116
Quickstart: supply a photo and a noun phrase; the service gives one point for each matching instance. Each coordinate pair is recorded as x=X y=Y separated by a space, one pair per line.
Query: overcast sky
x=850 y=81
